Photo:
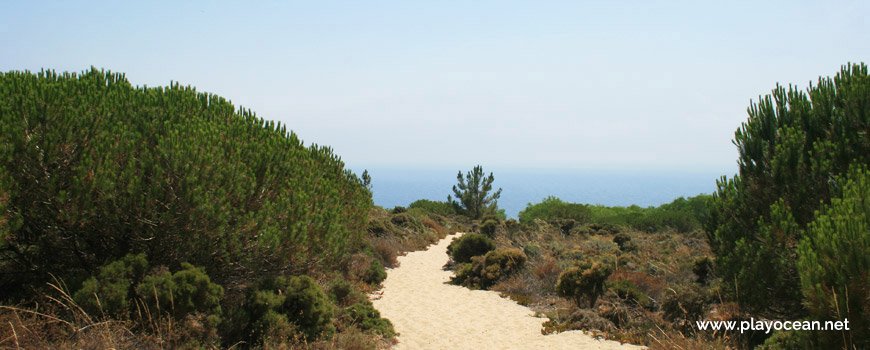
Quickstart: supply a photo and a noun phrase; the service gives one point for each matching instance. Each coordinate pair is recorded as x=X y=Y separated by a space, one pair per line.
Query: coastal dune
x=428 y=313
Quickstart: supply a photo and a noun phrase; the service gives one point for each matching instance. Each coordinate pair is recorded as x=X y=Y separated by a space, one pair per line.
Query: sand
x=430 y=314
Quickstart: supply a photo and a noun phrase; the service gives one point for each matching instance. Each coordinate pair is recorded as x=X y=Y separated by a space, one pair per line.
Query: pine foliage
x=93 y=168
x=791 y=149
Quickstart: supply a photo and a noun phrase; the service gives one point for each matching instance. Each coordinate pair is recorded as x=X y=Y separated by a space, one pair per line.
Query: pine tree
x=473 y=194
x=792 y=146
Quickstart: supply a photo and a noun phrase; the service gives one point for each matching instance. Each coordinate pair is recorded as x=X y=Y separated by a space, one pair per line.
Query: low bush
x=181 y=293
x=365 y=317
x=552 y=208
x=703 y=269
x=434 y=207
x=683 y=306
x=489 y=227
x=469 y=245
x=485 y=271
x=111 y=291
x=375 y=273
x=584 y=281
x=532 y=249
x=286 y=304
x=629 y=292
x=343 y=293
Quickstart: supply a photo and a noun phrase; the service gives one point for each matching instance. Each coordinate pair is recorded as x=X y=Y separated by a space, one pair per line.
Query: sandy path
x=430 y=314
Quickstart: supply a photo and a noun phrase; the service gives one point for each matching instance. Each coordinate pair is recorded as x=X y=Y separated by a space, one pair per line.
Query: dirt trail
x=430 y=314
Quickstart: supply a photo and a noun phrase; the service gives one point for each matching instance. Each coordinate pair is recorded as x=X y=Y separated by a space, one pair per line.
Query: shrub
x=532 y=249
x=369 y=319
x=181 y=293
x=288 y=303
x=488 y=228
x=342 y=292
x=623 y=241
x=112 y=289
x=402 y=219
x=584 y=281
x=684 y=306
x=552 y=208
x=375 y=273
x=485 y=271
x=386 y=249
x=469 y=245
x=702 y=267
x=434 y=207
x=789 y=340
x=629 y=292
x=399 y=210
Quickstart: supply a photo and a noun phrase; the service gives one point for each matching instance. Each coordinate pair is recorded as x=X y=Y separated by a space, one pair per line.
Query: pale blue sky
x=531 y=84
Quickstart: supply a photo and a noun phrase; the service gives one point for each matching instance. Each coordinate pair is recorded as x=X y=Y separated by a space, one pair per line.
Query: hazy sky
x=547 y=84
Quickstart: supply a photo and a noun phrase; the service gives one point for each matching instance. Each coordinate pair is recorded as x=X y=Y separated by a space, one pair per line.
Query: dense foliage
x=93 y=168
x=474 y=196
x=434 y=207
x=554 y=208
x=469 y=245
x=159 y=209
x=793 y=150
x=486 y=270
x=683 y=214
x=834 y=262
x=585 y=281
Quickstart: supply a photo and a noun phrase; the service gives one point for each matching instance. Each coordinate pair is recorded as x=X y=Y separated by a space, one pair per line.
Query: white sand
x=430 y=314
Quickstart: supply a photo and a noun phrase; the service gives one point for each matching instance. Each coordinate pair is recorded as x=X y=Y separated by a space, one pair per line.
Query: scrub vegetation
x=137 y=217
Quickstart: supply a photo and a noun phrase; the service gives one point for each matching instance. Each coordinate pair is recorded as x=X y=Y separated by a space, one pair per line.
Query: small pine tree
x=473 y=194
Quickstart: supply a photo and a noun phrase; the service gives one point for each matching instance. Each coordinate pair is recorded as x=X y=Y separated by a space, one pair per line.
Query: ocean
x=399 y=187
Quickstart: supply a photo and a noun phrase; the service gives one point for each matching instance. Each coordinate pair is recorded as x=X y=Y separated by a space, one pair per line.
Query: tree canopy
x=793 y=151
x=473 y=197
x=93 y=168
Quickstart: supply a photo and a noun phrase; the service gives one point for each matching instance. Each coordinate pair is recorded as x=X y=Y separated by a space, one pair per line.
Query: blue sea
x=399 y=187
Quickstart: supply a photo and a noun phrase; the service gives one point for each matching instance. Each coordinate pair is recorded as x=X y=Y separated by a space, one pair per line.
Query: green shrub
x=789 y=340
x=433 y=207
x=584 y=281
x=399 y=210
x=342 y=292
x=291 y=303
x=488 y=227
x=702 y=267
x=532 y=249
x=111 y=291
x=552 y=208
x=469 y=245
x=369 y=319
x=485 y=271
x=375 y=273
x=629 y=292
x=834 y=262
x=181 y=293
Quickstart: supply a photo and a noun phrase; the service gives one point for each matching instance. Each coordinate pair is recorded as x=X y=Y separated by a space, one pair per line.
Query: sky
x=637 y=85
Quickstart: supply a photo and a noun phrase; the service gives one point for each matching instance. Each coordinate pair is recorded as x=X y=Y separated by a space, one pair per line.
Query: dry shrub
x=435 y=227
x=386 y=249
x=652 y=287
x=660 y=339
x=584 y=319
x=60 y=323
x=548 y=270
